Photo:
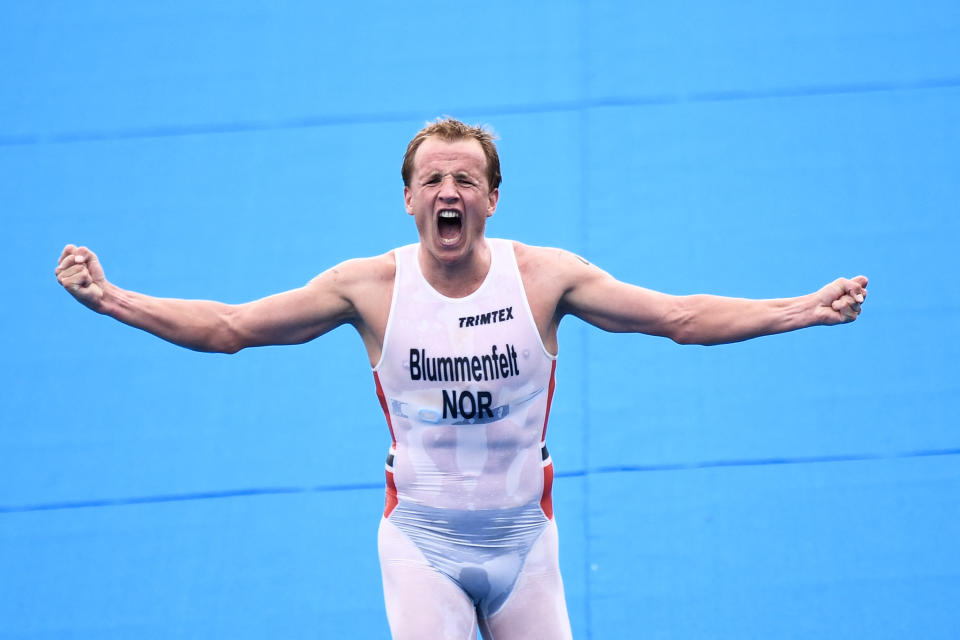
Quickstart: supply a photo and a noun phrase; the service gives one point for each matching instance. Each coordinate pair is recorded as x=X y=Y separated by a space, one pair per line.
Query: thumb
x=83 y=255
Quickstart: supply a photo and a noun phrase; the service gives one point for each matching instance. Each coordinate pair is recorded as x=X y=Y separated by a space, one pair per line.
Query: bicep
x=294 y=316
x=598 y=298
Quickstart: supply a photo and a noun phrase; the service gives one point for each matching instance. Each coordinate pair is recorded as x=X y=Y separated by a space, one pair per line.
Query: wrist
x=810 y=314
x=111 y=301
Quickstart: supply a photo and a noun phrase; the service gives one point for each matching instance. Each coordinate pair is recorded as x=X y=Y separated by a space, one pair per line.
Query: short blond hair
x=451 y=130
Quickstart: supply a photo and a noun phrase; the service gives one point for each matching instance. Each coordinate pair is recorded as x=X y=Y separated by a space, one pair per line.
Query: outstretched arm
x=203 y=325
x=596 y=297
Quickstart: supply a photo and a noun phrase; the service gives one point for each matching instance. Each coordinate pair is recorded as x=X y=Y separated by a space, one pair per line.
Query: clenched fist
x=80 y=273
x=840 y=300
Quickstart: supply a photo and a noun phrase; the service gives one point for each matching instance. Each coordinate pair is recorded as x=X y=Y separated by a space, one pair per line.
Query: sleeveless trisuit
x=465 y=385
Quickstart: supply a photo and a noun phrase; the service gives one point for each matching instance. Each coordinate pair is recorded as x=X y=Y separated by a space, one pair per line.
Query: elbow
x=226 y=337
x=682 y=338
x=680 y=324
x=692 y=322
x=686 y=336
x=215 y=344
x=229 y=348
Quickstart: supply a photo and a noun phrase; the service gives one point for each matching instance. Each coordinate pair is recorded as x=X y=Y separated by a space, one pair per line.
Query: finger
x=67 y=250
x=76 y=279
x=77 y=286
x=71 y=260
x=857 y=287
x=66 y=263
x=66 y=258
x=853 y=289
x=845 y=301
x=82 y=254
x=87 y=256
x=858 y=294
x=71 y=271
x=846 y=305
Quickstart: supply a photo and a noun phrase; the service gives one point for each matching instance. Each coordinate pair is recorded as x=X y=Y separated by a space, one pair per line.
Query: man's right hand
x=81 y=275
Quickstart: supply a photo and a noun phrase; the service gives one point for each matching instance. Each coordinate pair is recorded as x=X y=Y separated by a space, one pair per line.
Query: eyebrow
x=458 y=175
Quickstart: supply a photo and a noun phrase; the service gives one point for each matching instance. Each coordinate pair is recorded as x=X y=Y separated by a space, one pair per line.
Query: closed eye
x=463 y=180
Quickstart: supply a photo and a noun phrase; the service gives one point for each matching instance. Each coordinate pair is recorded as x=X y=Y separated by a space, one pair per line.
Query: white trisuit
x=468 y=536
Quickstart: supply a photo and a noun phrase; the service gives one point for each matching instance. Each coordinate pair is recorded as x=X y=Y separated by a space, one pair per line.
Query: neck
x=459 y=278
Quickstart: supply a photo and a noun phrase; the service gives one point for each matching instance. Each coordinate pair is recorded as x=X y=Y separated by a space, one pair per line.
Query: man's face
x=449 y=197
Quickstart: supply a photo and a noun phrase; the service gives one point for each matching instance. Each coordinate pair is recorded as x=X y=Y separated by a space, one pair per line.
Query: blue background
x=804 y=485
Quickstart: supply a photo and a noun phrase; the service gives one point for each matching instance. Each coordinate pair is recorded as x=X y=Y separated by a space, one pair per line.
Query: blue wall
x=804 y=485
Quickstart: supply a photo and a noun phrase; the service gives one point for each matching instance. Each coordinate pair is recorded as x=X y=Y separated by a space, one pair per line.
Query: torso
x=465 y=385
x=538 y=271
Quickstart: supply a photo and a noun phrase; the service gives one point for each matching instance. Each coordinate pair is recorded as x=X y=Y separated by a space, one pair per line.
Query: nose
x=448 y=189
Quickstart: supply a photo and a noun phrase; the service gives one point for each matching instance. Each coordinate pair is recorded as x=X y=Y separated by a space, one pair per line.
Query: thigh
x=536 y=608
x=422 y=603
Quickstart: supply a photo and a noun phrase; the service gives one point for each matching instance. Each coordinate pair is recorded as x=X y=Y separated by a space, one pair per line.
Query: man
x=461 y=332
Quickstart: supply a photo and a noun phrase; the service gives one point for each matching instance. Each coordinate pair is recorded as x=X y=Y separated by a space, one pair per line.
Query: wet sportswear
x=465 y=385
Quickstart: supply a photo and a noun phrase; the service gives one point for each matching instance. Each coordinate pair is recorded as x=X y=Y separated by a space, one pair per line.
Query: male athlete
x=461 y=332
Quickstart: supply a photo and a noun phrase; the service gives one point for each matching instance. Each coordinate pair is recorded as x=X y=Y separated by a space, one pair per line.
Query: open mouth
x=449 y=226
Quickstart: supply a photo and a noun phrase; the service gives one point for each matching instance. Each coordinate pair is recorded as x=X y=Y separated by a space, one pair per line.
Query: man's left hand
x=841 y=300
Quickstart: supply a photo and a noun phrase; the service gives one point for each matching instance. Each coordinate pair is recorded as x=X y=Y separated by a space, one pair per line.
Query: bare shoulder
x=533 y=257
x=548 y=275
x=561 y=267
x=357 y=278
x=356 y=288
x=362 y=271
x=362 y=288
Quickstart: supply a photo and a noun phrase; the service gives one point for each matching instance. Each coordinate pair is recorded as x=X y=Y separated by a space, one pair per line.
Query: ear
x=408 y=199
x=492 y=200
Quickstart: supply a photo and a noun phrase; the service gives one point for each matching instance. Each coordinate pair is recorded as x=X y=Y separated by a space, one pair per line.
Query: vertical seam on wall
x=582 y=125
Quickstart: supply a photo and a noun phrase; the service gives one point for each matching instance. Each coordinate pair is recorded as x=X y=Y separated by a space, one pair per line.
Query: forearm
x=201 y=325
x=708 y=320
